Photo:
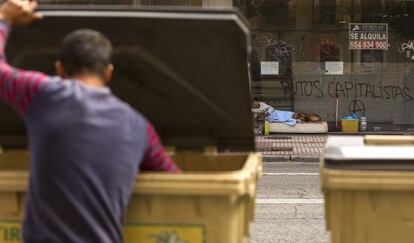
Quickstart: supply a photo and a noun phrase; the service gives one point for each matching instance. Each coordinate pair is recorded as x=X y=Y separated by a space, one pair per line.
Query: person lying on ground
x=269 y=111
x=86 y=145
x=261 y=107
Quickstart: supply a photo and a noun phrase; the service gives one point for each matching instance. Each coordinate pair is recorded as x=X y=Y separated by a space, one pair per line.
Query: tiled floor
x=291 y=147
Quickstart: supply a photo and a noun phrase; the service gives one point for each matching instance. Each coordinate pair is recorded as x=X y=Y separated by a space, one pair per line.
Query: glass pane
x=327 y=12
x=308 y=52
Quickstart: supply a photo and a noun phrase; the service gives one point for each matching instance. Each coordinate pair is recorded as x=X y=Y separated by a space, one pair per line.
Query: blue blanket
x=282 y=116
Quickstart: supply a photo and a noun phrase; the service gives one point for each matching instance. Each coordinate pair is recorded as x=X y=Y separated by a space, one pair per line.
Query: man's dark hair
x=85 y=51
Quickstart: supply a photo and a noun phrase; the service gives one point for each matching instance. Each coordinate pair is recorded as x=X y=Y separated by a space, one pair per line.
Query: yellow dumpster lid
x=353 y=153
x=186 y=69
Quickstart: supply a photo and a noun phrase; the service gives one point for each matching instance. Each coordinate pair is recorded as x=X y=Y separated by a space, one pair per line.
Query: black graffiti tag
x=357 y=107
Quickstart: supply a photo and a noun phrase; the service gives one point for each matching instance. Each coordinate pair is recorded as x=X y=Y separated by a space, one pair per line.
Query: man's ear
x=107 y=73
x=59 y=69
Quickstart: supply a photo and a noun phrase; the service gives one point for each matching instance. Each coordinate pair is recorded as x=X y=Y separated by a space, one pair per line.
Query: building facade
x=310 y=54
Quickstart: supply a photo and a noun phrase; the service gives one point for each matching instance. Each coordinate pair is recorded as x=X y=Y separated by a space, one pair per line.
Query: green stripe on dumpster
x=11 y=232
x=177 y=233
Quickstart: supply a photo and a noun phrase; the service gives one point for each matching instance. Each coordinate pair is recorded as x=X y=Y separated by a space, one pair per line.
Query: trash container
x=186 y=71
x=368 y=185
x=212 y=201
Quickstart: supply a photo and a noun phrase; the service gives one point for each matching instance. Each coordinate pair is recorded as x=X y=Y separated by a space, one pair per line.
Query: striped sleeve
x=17 y=87
x=155 y=158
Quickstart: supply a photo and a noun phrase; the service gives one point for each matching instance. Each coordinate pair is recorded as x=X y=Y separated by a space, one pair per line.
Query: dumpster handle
x=388 y=140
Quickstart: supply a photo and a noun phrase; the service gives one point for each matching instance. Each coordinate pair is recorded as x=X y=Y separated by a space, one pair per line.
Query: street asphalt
x=289 y=204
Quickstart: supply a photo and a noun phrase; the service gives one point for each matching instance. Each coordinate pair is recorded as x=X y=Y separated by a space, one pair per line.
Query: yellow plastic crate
x=211 y=201
x=350 y=125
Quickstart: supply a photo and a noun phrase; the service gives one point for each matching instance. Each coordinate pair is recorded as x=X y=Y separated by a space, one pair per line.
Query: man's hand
x=19 y=12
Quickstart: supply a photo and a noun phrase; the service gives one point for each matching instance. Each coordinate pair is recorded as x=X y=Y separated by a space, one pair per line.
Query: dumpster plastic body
x=186 y=71
x=369 y=190
x=212 y=201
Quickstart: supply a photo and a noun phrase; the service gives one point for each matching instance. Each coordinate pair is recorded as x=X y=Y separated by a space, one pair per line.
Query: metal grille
x=294 y=147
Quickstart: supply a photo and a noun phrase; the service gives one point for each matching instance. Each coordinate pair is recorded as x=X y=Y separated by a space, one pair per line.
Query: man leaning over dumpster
x=86 y=145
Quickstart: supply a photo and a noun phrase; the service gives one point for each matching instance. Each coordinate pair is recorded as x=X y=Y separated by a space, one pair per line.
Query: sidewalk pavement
x=291 y=147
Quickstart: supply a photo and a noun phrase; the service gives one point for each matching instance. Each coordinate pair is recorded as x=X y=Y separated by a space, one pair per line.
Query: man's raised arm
x=17 y=87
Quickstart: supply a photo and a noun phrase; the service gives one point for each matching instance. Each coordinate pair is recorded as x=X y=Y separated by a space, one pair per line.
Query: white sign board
x=334 y=68
x=366 y=36
x=269 y=68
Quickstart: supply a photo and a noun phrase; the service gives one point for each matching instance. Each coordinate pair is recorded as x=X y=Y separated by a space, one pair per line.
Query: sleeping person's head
x=255 y=103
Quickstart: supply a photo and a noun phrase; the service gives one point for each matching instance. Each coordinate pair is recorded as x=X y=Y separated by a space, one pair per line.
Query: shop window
x=328 y=50
x=275 y=12
x=372 y=56
x=371 y=11
x=271 y=13
x=370 y=59
x=327 y=12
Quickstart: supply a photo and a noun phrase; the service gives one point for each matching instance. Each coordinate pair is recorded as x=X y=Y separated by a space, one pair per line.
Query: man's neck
x=90 y=80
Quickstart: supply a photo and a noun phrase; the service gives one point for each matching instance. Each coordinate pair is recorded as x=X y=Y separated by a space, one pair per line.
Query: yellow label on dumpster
x=11 y=232
x=159 y=233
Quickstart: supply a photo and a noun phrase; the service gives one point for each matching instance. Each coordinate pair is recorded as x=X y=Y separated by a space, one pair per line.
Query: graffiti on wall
x=357 y=107
x=406 y=48
x=348 y=89
x=275 y=49
x=279 y=52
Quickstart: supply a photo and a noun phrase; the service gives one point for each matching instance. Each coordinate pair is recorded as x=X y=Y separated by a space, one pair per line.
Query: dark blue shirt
x=86 y=146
